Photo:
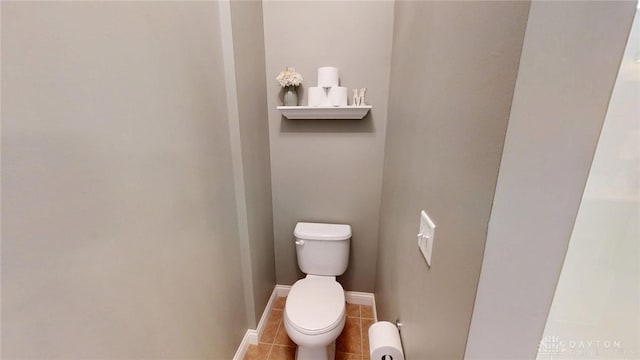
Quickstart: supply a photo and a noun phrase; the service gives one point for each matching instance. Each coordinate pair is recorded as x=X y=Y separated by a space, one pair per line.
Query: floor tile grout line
x=361 y=340
x=269 y=353
x=277 y=331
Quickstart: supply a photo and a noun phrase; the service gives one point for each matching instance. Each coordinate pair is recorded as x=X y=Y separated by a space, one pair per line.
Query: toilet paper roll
x=338 y=96
x=318 y=96
x=327 y=76
x=384 y=340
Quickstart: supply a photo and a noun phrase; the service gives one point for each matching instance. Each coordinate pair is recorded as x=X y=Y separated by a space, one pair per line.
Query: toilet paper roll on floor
x=327 y=76
x=318 y=96
x=384 y=342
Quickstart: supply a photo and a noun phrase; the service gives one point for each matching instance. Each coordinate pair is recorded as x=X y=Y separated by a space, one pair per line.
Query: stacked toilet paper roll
x=338 y=96
x=328 y=76
x=318 y=96
x=328 y=93
x=384 y=342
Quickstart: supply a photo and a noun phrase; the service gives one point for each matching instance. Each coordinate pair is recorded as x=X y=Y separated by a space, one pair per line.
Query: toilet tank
x=322 y=249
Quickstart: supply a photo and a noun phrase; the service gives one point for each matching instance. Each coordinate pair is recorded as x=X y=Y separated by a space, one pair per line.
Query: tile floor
x=352 y=344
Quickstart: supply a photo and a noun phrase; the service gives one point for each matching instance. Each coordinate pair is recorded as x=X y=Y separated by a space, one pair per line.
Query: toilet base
x=316 y=353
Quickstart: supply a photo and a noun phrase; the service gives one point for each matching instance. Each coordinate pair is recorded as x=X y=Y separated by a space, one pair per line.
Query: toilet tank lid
x=317 y=231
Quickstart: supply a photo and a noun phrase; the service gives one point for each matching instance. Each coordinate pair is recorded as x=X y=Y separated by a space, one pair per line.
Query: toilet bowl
x=314 y=316
x=314 y=313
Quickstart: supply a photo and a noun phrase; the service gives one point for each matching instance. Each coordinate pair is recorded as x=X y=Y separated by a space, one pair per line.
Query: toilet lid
x=315 y=305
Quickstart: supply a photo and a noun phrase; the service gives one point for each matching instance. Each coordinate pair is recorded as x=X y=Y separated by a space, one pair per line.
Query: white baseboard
x=362 y=298
x=265 y=314
x=282 y=290
x=252 y=336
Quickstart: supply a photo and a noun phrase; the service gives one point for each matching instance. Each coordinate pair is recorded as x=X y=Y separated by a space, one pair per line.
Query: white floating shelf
x=318 y=112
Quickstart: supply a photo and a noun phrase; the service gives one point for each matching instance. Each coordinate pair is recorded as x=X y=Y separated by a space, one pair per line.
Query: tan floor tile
x=282 y=338
x=347 y=356
x=276 y=314
x=350 y=340
x=366 y=323
x=366 y=311
x=282 y=353
x=353 y=310
x=279 y=303
x=352 y=344
x=271 y=328
x=257 y=352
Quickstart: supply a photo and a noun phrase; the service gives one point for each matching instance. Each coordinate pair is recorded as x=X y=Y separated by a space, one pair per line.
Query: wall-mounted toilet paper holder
x=398 y=324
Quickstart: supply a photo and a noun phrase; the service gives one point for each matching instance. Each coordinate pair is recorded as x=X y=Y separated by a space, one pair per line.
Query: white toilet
x=314 y=314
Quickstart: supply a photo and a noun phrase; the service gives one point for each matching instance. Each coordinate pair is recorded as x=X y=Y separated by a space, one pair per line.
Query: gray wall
x=571 y=55
x=119 y=236
x=453 y=73
x=328 y=170
x=248 y=49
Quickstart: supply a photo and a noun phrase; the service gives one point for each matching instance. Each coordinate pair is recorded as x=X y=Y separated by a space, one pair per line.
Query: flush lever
x=299 y=242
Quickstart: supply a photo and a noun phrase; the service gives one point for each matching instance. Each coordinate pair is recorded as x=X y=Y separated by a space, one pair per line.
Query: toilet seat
x=315 y=305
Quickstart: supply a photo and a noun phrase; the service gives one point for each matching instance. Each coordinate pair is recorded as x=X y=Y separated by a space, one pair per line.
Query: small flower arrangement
x=289 y=77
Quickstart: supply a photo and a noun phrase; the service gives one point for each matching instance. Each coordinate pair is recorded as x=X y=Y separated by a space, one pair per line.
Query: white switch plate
x=425 y=236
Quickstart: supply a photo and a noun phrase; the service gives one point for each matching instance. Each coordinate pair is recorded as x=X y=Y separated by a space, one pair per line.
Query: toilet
x=314 y=313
